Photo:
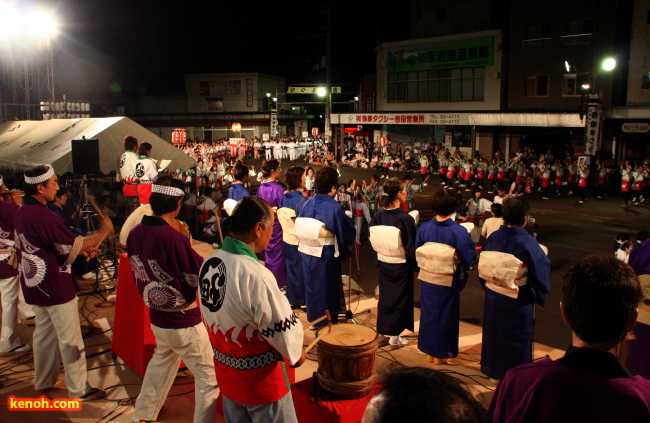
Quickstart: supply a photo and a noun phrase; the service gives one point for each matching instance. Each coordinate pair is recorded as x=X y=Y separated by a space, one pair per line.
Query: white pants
x=59 y=325
x=9 y=289
x=24 y=310
x=281 y=411
x=191 y=345
x=358 y=224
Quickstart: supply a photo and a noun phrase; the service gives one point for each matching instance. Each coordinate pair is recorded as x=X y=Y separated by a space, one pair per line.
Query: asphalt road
x=570 y=230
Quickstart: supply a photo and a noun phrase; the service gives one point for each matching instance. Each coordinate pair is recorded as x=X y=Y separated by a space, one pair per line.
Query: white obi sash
x=437 y=263
x=133 y=219
x=503 y=273
x=468 y=225
x=285 y=215
x=415 y=214
x=312 y=235
x=387 y=242
x=229 y=205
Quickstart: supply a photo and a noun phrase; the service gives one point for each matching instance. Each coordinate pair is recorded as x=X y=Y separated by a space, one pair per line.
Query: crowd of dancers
x=298 y=225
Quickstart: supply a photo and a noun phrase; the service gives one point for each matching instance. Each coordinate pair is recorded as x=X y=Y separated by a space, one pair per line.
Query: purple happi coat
x=7 y=215
x=45 y=250
x=166 y=271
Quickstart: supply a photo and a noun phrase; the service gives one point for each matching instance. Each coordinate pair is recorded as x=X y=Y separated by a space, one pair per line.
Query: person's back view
x=600 y=296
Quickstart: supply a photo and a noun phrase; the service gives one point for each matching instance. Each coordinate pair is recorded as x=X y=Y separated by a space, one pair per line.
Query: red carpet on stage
x=133 y=340
x=331 y=410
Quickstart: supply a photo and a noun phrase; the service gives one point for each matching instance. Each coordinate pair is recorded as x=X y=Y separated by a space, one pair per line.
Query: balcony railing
x=576 y=40
x=536 y=43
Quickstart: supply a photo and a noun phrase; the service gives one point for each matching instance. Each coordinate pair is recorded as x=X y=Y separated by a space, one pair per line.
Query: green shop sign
x=448 y=55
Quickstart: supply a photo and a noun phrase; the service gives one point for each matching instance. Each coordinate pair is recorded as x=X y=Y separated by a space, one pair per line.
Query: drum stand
x=349 y=315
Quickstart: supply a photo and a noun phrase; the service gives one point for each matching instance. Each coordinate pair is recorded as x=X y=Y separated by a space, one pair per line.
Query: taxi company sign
x=402 y=118
x=637 y=128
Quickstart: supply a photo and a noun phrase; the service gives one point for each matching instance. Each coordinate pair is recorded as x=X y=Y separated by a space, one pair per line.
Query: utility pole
x=328 y=79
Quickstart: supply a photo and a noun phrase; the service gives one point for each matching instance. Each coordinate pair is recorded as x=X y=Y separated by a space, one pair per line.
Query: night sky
x=145 y=46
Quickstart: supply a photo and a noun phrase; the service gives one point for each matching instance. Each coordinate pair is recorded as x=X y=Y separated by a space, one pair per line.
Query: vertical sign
x=592 y=125
x=274 y=123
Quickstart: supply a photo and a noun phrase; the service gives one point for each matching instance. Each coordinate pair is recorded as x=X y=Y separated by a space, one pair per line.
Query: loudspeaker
x=85 y=156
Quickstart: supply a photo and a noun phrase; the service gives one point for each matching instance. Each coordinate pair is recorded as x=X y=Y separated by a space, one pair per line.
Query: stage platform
x=109 y=372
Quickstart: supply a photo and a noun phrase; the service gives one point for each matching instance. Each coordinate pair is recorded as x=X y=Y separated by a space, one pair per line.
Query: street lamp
x=609 y=64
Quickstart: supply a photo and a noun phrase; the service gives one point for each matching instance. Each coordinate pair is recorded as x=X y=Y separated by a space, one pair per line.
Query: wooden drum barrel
x=346 y=360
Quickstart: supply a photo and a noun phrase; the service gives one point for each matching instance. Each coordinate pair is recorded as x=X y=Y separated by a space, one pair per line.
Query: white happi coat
x=250 y=324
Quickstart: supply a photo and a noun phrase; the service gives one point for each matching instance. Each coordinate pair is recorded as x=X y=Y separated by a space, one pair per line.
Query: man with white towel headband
x=45 y=251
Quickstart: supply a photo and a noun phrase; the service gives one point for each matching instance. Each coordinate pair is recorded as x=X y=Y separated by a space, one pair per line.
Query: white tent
x=28 y=143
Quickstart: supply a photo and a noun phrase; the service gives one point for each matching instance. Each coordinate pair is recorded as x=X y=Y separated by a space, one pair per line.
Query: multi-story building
x=214 y=102
x=534 y=70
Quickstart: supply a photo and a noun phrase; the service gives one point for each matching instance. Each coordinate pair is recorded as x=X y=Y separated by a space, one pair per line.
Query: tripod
x=87 y=213
x=349 y=315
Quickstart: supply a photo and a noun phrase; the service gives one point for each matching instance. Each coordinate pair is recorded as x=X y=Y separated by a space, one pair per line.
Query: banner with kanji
x=447 y=55
x=593 y=125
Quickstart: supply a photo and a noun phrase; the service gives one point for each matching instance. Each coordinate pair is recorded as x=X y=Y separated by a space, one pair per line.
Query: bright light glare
x=567 y=66
x=42 y=24
x=609 y=64
x=321 y=92
x=586 y=86
x=10 y=22
x=15 y=23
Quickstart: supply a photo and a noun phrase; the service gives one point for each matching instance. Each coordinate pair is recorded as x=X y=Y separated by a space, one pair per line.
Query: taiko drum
x=346 y=360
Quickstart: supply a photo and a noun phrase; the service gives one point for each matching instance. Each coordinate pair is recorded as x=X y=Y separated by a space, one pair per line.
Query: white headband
x=162 y=189
x=40 y=179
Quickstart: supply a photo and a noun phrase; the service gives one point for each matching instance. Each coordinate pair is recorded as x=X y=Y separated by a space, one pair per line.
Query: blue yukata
x=274 y=256
x=237 y=192
x=508 y=322
x=295 y=286
x=395 y=306
x=440 y=305
x=322 y=275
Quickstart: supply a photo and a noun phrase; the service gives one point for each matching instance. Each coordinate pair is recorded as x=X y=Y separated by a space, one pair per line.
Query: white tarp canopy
x=27 y=143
